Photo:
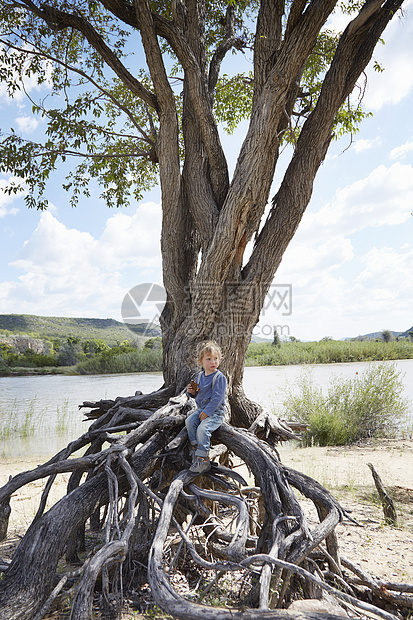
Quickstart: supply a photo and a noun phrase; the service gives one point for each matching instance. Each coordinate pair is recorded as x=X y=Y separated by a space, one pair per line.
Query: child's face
x=210 y=362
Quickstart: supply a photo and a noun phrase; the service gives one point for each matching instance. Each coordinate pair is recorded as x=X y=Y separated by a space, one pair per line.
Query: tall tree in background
x=128 y=123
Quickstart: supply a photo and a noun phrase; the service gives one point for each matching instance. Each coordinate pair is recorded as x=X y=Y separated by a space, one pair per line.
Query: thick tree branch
x=43 y=471
x=221 y=51
x=174 y=256
x=296 y=9
x=198 y=96
x=197 y=187
x=198 y=93
x=60 y=20
x=248 y=194
x=352 y=56
x=267 y=41
x=125 y=11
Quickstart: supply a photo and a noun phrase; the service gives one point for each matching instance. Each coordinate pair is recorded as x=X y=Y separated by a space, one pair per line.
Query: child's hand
x=193 y=388
x=203 y=416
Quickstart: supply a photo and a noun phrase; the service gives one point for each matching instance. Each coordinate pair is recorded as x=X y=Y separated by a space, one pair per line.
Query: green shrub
x=153 y=343
x=36 y=360
x=29 y=359
x=369 y=405
x=144 y=360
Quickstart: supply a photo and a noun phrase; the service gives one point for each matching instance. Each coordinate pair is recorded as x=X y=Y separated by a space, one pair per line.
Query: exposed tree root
x=217 y=547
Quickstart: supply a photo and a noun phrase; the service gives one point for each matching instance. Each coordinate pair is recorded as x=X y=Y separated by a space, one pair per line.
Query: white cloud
x=67 y=272
x=365 y=145
x=303 y=259
x=400 y=152
x=324 y=303
x=344 y=287
x=55 y=248
x=382 y=292
x=27 y=124
x=385 y=197
x=133 y=240
x=396 y=81
x=388 y=269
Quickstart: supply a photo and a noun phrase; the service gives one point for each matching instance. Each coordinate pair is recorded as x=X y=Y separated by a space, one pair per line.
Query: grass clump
x=13 y=424
x=370 y=405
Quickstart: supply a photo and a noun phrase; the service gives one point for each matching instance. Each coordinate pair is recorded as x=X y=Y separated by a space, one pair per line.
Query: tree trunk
x=253 y=533
x=212 y=291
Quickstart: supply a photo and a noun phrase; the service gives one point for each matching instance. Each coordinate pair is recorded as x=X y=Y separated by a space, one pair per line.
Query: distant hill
x=50 y=327
x=108 y=330
x=375 y=335
x=258 y=339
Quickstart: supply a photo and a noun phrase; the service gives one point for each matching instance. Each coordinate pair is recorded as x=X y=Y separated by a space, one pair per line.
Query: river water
x=39 y=415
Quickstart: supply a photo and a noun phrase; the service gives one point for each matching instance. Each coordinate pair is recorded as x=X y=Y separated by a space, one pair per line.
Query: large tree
x=129 y=121
x=128 y=124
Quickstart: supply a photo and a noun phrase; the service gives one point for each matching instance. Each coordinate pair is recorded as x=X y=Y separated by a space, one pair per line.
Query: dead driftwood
x=389 y=510
x=5 y=512
x=212 y=547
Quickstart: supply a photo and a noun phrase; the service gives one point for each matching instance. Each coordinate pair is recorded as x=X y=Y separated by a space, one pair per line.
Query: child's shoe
x=200 y=465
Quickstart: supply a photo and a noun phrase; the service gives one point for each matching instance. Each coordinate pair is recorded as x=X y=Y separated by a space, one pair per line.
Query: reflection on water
x=40 y=415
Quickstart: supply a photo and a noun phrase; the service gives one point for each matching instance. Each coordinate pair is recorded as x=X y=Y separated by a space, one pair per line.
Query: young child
x=210 y=398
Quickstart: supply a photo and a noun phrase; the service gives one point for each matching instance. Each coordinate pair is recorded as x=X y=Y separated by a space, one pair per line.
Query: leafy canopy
x=99 y=110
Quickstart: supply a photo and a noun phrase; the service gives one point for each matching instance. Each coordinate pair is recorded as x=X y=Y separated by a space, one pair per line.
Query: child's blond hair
x=207 y=347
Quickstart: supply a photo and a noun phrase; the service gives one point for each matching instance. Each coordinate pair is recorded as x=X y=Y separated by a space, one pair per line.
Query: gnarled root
x=228 y=544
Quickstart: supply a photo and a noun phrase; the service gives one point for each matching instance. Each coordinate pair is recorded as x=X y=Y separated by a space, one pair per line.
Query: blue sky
x=350 y=264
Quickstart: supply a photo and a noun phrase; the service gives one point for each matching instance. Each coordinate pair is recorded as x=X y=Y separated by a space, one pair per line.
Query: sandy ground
x=383 y=551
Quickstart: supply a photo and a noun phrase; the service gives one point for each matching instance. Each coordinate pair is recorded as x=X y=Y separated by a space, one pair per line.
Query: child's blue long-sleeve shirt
x=216 y=395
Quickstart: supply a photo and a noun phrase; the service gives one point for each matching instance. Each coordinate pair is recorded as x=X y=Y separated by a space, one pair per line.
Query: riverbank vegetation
x=31 y=344
x=123 y=359
x=94 y=356
x=91 y=356
x=327 y=351
x=369 y=406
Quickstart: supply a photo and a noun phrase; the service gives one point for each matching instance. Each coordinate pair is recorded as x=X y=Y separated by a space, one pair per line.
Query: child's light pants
x=199 y=433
